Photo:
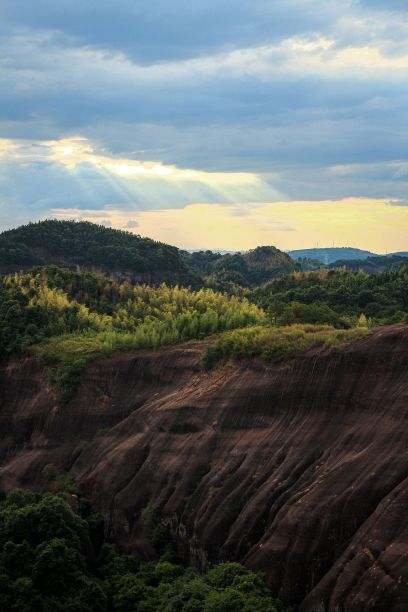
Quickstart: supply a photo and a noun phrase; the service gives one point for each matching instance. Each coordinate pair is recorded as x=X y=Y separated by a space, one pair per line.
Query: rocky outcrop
x=298 y=469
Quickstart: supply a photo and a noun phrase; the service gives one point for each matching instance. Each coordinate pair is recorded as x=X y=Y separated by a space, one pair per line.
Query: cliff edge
x=298 y=469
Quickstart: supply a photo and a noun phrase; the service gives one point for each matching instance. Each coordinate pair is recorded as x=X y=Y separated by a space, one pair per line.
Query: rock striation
x=298 y=469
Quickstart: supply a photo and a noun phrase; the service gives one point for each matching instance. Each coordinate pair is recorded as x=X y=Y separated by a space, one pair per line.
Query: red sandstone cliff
x=300 y=469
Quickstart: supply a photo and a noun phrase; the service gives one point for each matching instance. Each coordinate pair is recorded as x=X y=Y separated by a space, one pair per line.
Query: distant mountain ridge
x=351 y=258
x=372 y=265
x=330 y=255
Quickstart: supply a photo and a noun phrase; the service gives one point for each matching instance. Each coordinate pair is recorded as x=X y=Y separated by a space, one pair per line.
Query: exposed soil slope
x=299 y=469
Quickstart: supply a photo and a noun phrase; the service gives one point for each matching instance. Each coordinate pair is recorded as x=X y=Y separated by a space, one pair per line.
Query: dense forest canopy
x=73 y=318
x=69 y=318
x=335 y=296
x=53 y=301
x=89 y=245
x=225 y=272
x=55 y=559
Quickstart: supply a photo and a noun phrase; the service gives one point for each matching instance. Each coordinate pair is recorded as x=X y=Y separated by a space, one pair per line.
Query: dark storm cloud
x=161 y=30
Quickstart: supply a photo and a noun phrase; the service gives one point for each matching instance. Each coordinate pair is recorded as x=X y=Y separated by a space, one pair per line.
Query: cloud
x=73 y=172
x=177 y=103
x=172 y=30
x=299 y=100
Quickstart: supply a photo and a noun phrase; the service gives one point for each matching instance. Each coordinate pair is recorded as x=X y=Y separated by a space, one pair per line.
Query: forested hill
x=233 y=270
x=90 y=246
x=125 y=256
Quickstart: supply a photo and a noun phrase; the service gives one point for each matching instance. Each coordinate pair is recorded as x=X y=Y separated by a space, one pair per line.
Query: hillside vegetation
x=337 y=297
x=92 y=247
x=65 y=315
x=231 y=272
x=89 y=245
x=69 y=317
x=54 y=559
x=275 y=344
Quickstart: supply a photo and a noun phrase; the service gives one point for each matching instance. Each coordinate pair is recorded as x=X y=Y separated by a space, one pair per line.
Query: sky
x=219 y=124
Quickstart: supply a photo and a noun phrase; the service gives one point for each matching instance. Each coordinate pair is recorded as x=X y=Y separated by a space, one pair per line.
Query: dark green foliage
x=372 y=265
x=309 y=265
x=381 y=297
x=89 y=245
x=20 y=325
x=57 y=565
x=58 y=481
x=232 y=271
x=43 y=548
x=50 y=561
x=202 y=262
x=296 y=312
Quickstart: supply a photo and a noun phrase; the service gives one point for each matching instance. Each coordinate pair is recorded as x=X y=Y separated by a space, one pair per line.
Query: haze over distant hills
x=330 y=255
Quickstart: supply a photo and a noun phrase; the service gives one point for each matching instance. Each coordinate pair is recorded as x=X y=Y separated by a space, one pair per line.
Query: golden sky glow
x=376 y=225
x=242 y=211
x=76 y=152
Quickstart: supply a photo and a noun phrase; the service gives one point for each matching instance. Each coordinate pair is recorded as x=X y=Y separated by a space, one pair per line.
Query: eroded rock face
x=298 y=469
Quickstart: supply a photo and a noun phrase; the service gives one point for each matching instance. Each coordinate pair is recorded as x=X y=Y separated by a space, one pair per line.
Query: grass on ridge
x=275 y=344
x=69 y=354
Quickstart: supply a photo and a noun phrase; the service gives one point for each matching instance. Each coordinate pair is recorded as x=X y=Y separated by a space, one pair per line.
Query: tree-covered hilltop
x=55 y=301
x=87 y=245
x=234 y=270
x=337 y=297
x=70 y=318
x=55 y=559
